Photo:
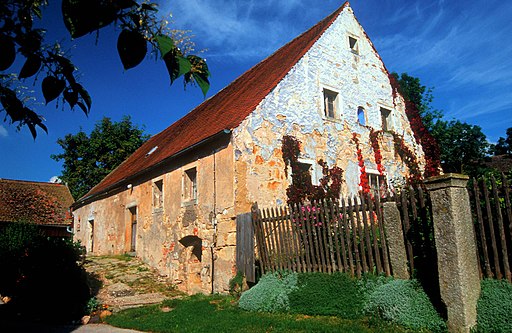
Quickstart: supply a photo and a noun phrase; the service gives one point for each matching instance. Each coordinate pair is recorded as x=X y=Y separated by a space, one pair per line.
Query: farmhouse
x=175 y=200
x=44 y=204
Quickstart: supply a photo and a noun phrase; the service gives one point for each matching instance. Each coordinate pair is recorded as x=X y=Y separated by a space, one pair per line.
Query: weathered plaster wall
x=296 y=107
x=159 y=230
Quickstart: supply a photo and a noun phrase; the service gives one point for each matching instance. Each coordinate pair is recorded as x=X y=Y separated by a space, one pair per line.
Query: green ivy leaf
x=31 y=67
x=132 y=48
x=7 y=52
x=165 y=44
x=52 y=88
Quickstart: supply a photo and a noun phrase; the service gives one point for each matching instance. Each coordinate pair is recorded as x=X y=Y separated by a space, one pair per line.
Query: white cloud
x=3 y=131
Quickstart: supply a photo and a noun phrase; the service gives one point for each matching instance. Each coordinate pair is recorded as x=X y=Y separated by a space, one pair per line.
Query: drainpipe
x=214 y=220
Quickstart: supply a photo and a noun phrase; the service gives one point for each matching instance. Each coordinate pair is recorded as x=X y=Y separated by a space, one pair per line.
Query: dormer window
x=330 y=104
x=353 y=44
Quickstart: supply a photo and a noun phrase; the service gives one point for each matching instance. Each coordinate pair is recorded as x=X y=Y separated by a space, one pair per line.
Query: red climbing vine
x=421 y=134
x=363 y=177
x=374 y=141
x=301 y=189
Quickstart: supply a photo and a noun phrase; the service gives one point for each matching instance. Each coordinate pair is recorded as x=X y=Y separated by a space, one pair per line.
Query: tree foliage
x=462 y=146
x=20 y=38
x=504 y=145
x=422 y=97
x=89 y=158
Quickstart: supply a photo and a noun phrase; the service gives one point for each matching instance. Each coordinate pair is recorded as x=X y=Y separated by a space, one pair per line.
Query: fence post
x=456 y=249
x=395 y=240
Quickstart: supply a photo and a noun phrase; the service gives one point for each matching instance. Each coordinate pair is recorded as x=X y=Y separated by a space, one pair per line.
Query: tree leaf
x=12 y=105
x=7 y=52
x=84 y=16
x=71 y=96
x=132 y=48
x=31 y=66
x=176 y=64
x=32 y=129
x=84 y=94
x=165 y=44
x=52 y=88
x=149 y=6
x=125 y=4
x=83 y=107
x=202 y=81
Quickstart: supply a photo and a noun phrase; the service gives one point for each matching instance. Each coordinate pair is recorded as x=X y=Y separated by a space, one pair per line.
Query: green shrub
x=41 y=269
x=336 y=294
x=405 y=303
x=270 y=294
x=236 y=284
x=495 y=307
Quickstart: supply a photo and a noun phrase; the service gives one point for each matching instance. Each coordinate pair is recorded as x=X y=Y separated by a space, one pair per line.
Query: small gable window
x=353 y=44
x=158 y=194
x=385 y=115
x=330 y=104
x=361 y=116
x=190 y=185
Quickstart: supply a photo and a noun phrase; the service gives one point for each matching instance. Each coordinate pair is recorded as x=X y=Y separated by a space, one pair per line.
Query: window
x=385 y=115
x=361 y=116
x=307 y=172
x=377 y=183
x=352 y=43
x=158 y=197
x=330 y=104
x=190 y=185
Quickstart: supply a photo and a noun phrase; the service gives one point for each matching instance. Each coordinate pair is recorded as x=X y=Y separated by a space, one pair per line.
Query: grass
x=200 y=313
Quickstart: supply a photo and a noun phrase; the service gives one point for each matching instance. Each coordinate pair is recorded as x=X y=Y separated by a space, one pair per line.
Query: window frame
x=189 y=193
x=386 y=118
x=358 y=119
x=377 y=177
x=353 y=48
x=327 y=91
x=157 y=189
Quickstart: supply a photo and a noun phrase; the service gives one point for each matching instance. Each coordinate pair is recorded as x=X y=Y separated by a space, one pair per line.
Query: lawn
x=220 y=314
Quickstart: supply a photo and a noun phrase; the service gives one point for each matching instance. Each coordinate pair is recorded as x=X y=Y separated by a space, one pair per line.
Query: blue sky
x=462 y=49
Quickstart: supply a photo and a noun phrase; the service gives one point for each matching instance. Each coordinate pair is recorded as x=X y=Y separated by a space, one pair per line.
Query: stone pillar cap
x=446 y=180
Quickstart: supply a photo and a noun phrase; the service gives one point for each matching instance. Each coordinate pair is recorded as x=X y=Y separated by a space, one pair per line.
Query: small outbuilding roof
x=35 y=202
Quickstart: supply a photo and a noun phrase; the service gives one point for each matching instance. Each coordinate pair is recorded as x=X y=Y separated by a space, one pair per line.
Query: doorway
x=133 y=220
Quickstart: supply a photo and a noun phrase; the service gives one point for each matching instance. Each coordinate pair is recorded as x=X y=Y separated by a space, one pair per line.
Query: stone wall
x=159 y=230
x=296 y=107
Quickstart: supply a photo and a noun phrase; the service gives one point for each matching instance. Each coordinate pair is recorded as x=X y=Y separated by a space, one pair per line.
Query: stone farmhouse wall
x=296 y=107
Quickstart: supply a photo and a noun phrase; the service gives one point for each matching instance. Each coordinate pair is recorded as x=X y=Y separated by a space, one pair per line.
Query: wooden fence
x=415 y=211
x=491 y=208
x=346 y=236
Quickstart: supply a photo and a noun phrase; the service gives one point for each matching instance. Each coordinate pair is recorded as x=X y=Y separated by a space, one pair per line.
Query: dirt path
x=123 y=281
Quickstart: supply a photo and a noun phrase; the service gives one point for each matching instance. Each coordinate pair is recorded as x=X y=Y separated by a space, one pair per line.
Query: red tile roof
x=35 y=202
x=224 y=111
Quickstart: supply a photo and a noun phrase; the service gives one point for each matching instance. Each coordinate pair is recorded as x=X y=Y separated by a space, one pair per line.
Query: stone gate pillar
x=395 y=240
x=456 y=249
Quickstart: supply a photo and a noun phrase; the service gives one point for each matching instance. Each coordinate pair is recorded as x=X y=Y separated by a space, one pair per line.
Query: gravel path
x=32 y=328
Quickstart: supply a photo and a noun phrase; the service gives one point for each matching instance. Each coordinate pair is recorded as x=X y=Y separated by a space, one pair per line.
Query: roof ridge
x=30 y=181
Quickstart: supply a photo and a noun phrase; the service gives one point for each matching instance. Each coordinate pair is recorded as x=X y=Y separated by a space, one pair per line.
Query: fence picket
x=407 y=228
x=372 y=208
x=337 y=240
x=367 y=233
x=490 y=222
x=385 y=254
x=347 y=237
x=481 y=231
x=503 y=241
